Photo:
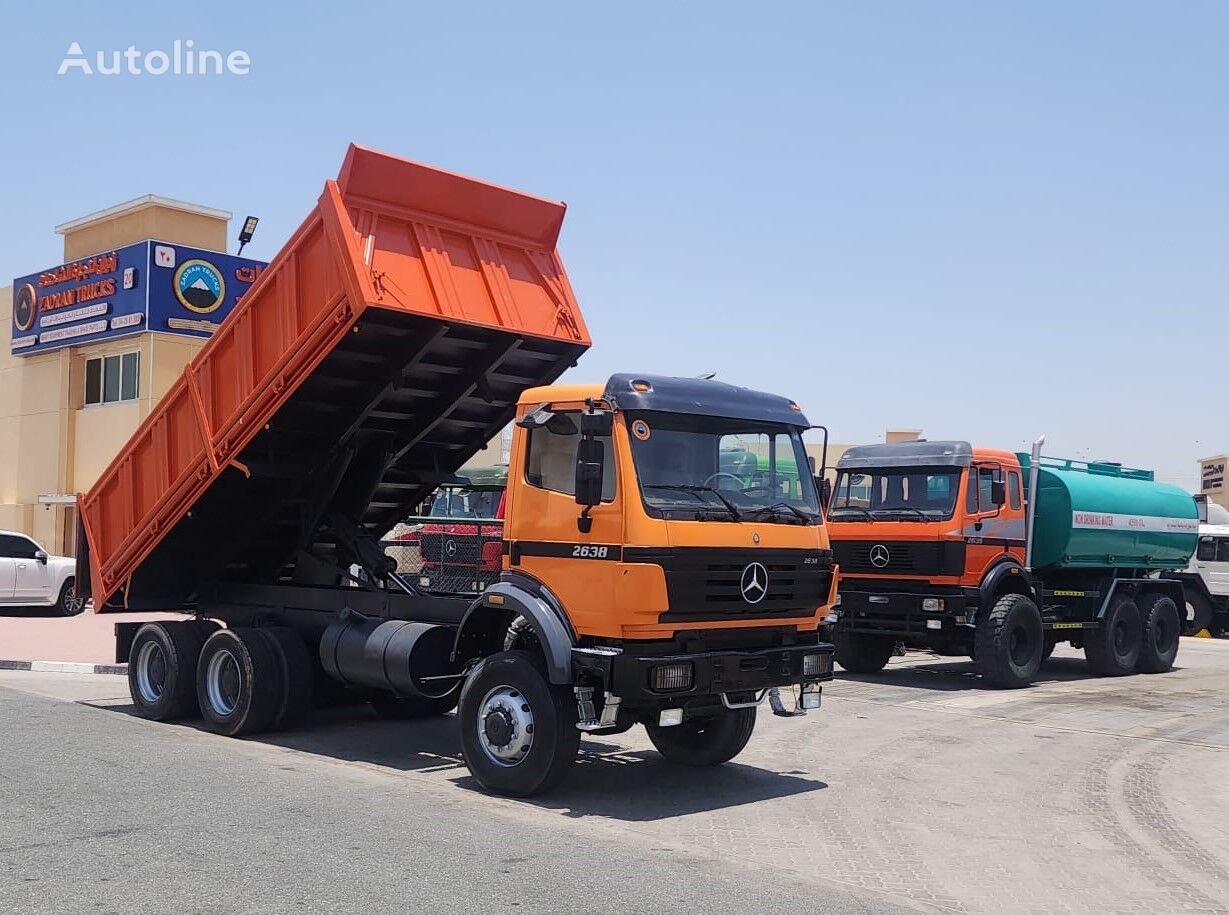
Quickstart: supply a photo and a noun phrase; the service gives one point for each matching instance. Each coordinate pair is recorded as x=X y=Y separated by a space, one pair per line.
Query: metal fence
x=449 y=555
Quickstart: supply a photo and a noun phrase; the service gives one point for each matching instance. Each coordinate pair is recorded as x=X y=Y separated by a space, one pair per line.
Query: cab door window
x=978 y=493
x=550 y=462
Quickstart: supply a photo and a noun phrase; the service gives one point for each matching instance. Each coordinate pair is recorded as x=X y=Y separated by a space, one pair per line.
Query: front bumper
x=903 y=613
x=716 y=673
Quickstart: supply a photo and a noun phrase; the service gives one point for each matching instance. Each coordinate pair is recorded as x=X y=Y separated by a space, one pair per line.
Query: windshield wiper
x=778 y=506
x=695 y=491
x=851 y=508
x=904 y=508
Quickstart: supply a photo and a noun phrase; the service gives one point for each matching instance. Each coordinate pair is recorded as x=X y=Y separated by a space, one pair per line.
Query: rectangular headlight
x=932 y=604
x=668 y=677
x=816 y=665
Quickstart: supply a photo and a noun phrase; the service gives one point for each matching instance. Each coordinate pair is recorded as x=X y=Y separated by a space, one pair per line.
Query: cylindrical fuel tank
x=1102 y=515
x=409 y=659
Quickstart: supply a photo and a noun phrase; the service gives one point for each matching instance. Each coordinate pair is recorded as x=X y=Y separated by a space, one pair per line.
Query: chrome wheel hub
x=222 y=682
x=151 y=671
x=505 y=726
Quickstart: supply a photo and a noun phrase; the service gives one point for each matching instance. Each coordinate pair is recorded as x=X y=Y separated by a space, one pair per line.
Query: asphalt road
x=917 y=789
x=104 y=812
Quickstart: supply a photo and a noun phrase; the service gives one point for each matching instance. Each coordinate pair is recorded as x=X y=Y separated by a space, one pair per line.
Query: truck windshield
x=710 y=468
x=465 y=502
x=895 y=492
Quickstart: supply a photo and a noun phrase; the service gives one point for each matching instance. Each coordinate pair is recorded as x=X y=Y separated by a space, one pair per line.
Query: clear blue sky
x=983 y=220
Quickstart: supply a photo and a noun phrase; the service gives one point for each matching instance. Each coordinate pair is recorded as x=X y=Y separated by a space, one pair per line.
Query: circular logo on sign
x=199 y=286
x=640 y=429
x=25 y=306
x=880 y=556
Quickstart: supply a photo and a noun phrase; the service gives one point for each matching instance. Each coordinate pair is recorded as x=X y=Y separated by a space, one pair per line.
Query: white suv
x=29 y=577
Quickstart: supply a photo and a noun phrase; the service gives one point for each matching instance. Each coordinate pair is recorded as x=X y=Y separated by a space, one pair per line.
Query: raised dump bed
x=384 y=345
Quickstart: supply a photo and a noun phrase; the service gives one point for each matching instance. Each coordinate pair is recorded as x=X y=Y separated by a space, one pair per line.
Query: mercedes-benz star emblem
x=451 y=548
x=754 y=583
x=880 y=556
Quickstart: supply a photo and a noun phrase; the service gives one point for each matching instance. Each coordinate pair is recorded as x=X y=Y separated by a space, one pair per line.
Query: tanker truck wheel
x=238 y=682
x=862 y=654
x=1161 y=628
x=162 y=669
x=1010 y=642
x=518 y=731
x=1113 y=649
x=705 y=741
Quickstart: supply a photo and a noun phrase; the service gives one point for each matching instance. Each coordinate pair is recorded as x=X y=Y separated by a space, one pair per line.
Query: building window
x=112 y=379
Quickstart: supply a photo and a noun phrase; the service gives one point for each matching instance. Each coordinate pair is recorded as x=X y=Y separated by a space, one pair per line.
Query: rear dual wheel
x=162 y=668
x=1113 y=648
x=251 y=680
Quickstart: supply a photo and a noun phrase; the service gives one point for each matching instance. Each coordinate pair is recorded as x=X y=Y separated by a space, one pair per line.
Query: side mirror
x=998 y=492
x=40 y=556
x=590 y=471
x=824 y=486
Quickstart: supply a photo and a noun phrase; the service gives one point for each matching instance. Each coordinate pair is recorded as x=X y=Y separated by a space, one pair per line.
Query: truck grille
x=903 y=557
x=708 y=584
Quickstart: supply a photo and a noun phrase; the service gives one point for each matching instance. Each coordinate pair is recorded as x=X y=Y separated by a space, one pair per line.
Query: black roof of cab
x=700 y=396
x=907 y=454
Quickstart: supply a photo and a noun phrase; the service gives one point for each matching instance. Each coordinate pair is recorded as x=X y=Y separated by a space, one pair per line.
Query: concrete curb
x=64 y=667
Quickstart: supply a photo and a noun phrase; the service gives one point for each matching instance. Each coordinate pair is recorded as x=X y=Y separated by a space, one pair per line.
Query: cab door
x=544 y=537
x=994 y=516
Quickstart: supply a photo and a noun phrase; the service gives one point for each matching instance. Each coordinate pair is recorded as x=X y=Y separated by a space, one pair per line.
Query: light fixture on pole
x=249 y=229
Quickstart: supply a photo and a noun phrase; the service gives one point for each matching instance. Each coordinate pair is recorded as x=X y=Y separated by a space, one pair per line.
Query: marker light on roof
x=641 y=387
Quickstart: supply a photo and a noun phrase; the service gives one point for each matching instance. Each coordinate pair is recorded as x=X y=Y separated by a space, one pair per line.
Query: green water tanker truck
x=1001 y=556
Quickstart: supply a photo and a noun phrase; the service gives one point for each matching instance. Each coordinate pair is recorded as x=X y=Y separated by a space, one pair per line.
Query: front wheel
x=518 y=731
x=708 y=741
x=1010 y=642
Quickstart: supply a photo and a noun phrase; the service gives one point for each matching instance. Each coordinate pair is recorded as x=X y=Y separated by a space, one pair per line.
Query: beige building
x=65 y=408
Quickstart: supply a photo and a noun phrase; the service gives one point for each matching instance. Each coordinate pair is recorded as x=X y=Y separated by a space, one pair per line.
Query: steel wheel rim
x=72 y=603
x=222 y=682
x=151 y=672
x=505 y=726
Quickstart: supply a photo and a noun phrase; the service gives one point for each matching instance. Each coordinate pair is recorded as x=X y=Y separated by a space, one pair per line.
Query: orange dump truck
x=413 y=315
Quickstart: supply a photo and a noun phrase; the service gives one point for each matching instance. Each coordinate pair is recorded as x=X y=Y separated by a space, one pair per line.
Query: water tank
x=1103 y=515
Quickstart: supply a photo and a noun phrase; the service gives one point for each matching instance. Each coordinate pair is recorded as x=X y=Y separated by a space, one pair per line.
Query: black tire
x=69 y=604
x=238 y=682
x=162 y=670
x=1113 y=649
x=405 y=708
x=1162 y=625
x=862 y=654
x=705 y=741
x=295 y=676
x=1010 y=642
x=497 y=696
x=1201 y=615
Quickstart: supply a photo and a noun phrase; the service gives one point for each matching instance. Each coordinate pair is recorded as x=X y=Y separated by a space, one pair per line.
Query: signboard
x=1212 y=474
x=149 y=285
